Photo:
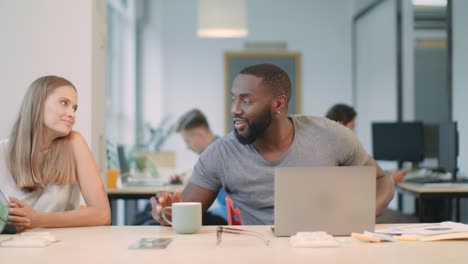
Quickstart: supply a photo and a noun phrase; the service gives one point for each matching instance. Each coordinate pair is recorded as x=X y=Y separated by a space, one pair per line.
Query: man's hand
x=398 y=176
x=21 y=215
x=176 y=179
x=162 y=200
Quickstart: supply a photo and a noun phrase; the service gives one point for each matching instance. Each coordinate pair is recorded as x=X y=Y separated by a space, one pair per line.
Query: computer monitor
x=431 y=140
x=122 y=159
x=448 y=147
x=398 y=141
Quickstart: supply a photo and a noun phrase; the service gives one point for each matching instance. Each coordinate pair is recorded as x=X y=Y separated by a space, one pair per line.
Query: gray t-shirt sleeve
x=207 y=170
x=351 y=151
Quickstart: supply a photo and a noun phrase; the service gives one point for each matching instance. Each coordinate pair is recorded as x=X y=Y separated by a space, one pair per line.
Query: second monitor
x=448 y=148
x=398 y=141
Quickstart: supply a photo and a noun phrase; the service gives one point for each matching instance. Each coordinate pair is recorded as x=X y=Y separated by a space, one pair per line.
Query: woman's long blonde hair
x=31 y=169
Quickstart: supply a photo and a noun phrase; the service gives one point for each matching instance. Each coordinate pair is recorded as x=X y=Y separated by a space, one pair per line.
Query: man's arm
x=191 y=193
x=384 y=192
x=195 y=193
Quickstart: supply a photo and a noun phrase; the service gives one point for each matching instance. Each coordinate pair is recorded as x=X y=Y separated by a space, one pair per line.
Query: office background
x=166 y=69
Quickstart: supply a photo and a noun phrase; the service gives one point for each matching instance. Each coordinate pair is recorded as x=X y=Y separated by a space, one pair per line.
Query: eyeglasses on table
x=238 y=231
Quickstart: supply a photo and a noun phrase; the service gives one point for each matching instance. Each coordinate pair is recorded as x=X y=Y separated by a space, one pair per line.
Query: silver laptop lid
x=337 y=200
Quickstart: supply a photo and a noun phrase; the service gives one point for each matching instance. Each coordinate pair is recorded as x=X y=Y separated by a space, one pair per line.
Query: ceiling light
x=222 y=19
x=430 y=2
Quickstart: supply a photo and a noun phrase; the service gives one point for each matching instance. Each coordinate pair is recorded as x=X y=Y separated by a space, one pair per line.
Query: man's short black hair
x=192 y=119
x=341 y=113
x=273 y=76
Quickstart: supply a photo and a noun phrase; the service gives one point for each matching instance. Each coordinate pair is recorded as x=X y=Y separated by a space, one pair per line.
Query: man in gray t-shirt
x=264 y=137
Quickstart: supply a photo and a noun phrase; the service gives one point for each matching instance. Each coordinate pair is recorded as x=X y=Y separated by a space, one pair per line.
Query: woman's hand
x=21 y=215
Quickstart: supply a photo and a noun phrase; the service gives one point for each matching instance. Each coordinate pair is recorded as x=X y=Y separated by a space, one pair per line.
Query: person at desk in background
x=343 y=114
x=266 y=136
x=45 y=164
x=346 y=116
x=195 y=130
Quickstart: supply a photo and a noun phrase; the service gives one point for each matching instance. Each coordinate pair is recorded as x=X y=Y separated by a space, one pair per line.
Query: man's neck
x=278 y=138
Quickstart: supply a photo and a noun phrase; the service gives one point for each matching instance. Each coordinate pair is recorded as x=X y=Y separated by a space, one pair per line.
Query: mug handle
x=163 y=214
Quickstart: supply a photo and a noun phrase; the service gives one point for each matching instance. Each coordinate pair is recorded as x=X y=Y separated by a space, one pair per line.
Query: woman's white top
x=53 y=198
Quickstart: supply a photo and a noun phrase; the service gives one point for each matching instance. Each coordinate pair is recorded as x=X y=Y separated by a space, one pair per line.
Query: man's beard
x=256 y=128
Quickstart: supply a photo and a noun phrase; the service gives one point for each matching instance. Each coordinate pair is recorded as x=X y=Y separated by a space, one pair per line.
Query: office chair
x=233 y=212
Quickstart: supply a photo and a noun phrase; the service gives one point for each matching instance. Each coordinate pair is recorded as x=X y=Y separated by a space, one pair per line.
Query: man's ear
x=280 y=103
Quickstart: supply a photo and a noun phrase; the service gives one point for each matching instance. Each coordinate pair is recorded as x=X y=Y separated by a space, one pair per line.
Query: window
x=121 y=77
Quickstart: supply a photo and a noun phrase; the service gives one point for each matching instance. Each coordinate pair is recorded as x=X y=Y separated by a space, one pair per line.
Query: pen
x=363 y=237
x=383 y=237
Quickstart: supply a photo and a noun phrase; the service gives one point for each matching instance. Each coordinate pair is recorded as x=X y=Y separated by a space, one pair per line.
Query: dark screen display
x=448 y=146
x=399 y=141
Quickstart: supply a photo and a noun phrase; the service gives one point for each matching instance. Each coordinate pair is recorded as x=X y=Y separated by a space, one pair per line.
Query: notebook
x=337 y=200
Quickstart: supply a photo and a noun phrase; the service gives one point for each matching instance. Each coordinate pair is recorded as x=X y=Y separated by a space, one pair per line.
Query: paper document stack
x=429 y=232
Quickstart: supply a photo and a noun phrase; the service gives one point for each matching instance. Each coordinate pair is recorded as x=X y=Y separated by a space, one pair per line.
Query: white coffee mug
x=186 y=217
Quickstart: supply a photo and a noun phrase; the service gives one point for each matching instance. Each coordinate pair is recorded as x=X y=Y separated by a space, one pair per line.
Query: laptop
x=337 y=200
x=122 y=159
x=134 y=179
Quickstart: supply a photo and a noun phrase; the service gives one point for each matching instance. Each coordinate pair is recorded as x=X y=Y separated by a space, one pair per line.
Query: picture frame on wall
x=290 y=62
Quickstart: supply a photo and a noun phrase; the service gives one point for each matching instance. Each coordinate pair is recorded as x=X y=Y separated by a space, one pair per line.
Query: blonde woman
x=45 y=164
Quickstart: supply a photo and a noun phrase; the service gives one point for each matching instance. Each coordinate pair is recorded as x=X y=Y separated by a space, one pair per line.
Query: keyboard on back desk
x=427 y=176
x=436 y=179
x=429 y=179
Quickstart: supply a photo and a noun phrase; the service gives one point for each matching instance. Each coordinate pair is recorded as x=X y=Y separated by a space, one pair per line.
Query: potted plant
x=148 y=156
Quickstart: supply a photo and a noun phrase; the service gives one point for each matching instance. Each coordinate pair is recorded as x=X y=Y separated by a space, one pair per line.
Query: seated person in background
x=265 y=137
x=346 y=116
x=196 y=132
x=343 y=114
x=45 y=164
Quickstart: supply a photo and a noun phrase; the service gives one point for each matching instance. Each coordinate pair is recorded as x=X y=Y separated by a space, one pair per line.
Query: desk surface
x=434 y=187
x=109 y=244
x=145 y=189
x=130 y=195
x=435 y=200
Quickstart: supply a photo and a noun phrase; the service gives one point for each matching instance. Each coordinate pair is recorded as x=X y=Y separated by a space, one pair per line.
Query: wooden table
x=109 y=244
x=429 y=192
x=131 y=194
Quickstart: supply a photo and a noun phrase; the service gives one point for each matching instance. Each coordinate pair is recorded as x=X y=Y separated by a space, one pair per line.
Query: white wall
x=152 y=62
x=460 y=78
x=360 y=5
x=407 y=45
x=376 y=65
x=193 y=68
x=55 y=37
